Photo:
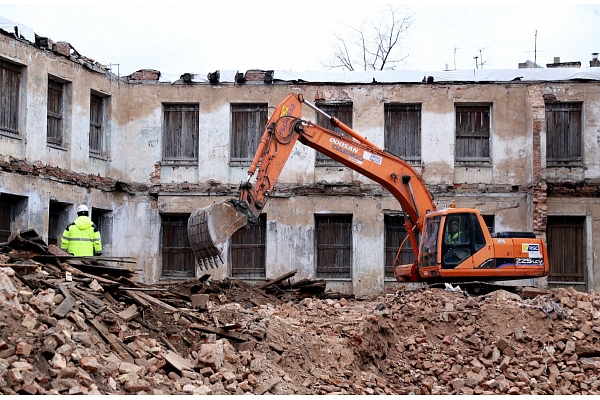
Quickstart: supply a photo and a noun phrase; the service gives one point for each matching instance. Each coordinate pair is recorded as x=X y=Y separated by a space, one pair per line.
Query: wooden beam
x=140 y=302
x=277 y=280
x=113 y=340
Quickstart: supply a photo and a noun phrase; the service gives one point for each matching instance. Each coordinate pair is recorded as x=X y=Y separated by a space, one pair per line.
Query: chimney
x=556 y=60
x=594 y=62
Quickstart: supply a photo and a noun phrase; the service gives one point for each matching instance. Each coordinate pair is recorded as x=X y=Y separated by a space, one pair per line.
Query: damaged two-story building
x=144 y=151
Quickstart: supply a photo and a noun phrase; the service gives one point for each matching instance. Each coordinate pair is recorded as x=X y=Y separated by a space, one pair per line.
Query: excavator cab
x=463 y=237
x=450 y=240
x=457 y=245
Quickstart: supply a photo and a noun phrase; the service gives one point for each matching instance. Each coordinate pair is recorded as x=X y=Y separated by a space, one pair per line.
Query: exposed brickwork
x=255 y=75
x=577 y=189
x=145 y=75
x=63 y=48
x=538 y=187
x=62 y=175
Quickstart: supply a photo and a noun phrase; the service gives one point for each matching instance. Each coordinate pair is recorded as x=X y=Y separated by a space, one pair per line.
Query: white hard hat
x=82 y=207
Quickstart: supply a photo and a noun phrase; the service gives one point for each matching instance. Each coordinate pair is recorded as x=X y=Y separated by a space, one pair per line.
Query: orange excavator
x=455 y=244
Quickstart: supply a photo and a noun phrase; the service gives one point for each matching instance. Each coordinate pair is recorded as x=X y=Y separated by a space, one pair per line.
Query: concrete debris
x=118 y=336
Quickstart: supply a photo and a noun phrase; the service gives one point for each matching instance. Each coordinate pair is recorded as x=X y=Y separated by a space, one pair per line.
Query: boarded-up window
x=563 y=129
x=177 y=257
x=180 y=142
x=248 y=122
x=55 y=112
x=9 y=97
x=395 y=234
x=248 y=251
x=5 y=218
x=343 y=112
x=403 y=131
x=566 y=249
x=334 y=246
x=473 y=134
x=96 y=122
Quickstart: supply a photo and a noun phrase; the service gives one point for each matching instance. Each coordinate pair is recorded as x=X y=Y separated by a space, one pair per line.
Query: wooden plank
x=238 y=337
x=76 y=272
x=177 y=361
x=143 y=289
x=277 y=280
x=66 y=305
x=133 y=296
x=113 y=340
x=169 y=344
x=94 y=303
x=156 y=302
x=532 y=292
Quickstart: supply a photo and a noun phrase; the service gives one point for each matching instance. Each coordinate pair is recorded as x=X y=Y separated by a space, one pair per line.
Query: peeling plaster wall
x=127 y=212
x=134 y=134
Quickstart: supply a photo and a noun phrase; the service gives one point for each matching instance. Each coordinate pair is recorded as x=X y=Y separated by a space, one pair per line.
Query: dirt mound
x=65 y=331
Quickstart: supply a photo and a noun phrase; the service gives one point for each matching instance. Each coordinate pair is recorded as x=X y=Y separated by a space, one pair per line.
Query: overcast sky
x=201 y=37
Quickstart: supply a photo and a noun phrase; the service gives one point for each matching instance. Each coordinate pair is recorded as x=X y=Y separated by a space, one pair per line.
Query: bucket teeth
x=209 y=229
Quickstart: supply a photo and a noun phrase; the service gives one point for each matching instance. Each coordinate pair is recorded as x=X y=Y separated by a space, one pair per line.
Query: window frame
x=326 y=251
x=96 y=134
x=58 y=220
x=394 y=234
x=187 y=115
x=565 y=142
x=56 y=90
x=10 y=84
x=396 y=117
x=567 y=259
x=248 y=122
x=181 y=248
x=468 y=130
x=247 y=258
x=342 y=110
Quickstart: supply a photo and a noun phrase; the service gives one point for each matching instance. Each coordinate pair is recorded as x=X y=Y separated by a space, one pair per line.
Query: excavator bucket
x=208 y=230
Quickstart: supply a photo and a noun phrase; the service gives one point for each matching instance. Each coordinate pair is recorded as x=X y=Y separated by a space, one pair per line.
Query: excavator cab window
x=478 y=237
x=429 y=243
x=456 y=245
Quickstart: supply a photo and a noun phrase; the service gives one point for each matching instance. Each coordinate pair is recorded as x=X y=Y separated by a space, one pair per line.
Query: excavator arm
x=283 y=130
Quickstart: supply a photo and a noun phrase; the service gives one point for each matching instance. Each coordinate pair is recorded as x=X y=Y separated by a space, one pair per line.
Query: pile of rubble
x=78 y=326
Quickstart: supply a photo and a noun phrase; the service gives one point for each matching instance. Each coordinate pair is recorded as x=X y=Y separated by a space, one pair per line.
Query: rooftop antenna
x=481 y=56
x=535 y=50
x=476 y=66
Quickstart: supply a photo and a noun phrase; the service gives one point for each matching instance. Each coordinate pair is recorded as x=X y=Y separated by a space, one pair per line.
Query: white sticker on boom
x=372 y=157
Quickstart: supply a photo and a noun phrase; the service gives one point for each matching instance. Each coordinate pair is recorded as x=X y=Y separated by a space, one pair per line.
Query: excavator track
x=477 y=288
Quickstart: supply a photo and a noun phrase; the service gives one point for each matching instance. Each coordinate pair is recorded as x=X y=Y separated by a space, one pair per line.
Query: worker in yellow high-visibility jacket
x=82 y=238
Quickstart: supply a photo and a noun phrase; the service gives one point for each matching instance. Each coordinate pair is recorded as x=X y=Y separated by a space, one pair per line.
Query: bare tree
x=373 y=45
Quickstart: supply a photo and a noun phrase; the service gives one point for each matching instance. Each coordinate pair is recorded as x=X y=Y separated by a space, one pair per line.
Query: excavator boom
x=283 y=130
x=470 y=252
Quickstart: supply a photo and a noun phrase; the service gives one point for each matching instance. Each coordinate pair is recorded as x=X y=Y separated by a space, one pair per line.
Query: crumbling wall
x=132 y=180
